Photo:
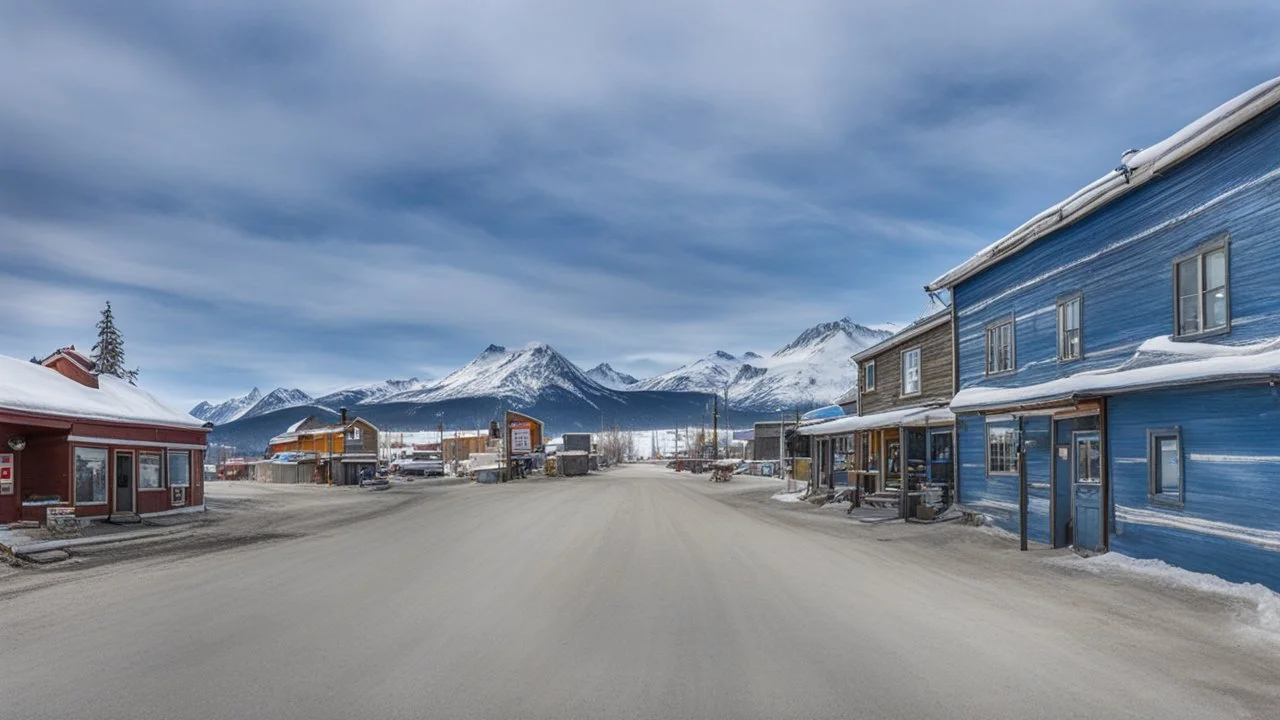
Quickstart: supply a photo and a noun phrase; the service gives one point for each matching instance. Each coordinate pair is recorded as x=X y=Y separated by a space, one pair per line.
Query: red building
x=70 y=438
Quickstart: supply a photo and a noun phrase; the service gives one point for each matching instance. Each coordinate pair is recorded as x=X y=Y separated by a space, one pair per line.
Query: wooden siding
x=997 y=495
x=1231 y=480
x=1120 y=259
x=935 y=373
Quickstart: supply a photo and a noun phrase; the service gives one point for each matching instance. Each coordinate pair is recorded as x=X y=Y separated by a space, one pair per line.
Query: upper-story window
x=1202 y=290
x=911 y=372
x=869 y=375
x=1000 y=347
x=355 y=432
x=1070 y=328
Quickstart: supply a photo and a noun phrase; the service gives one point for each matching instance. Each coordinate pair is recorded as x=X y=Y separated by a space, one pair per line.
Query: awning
x=1158 y=363
x=915 y=416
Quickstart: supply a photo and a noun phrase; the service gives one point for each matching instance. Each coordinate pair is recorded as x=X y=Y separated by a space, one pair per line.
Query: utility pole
x=782 y=445
x=715 y=430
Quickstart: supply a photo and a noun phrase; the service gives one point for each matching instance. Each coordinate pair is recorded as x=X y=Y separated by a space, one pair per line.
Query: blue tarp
x=830 y=411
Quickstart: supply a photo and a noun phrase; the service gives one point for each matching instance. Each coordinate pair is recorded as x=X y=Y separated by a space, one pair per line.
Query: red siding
x=137 y=433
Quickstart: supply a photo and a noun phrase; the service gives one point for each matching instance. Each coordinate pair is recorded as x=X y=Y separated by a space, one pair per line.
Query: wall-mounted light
x=17 y=443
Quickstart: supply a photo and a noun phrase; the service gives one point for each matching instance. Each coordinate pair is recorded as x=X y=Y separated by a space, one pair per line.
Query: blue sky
x=313 y=193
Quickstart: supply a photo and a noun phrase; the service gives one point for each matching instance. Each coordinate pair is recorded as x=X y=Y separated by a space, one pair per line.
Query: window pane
x=149 y=477
x=1189 y=277
x=1215 y=309
x=1189 y=315
x=1168 y=473
x=91 y=475
x=1095 y=460
x=1215 y=269
x=179 y=469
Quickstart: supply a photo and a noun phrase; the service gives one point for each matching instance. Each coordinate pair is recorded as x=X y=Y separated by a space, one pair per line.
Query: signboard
x=62 y=521
x=6 y=474
x=521 y=437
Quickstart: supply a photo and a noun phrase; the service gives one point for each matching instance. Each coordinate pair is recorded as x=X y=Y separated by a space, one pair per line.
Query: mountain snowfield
x=252 y=405
x=812 y=370
x=610 y=378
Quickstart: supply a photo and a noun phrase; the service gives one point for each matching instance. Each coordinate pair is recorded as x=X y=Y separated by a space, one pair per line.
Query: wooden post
x=1022 y=497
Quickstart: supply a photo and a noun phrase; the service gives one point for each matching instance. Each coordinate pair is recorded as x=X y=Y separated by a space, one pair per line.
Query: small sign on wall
x=179 y=496
x=6 y=474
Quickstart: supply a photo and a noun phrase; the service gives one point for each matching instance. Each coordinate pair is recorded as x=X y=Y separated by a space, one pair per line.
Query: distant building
x=341 y=450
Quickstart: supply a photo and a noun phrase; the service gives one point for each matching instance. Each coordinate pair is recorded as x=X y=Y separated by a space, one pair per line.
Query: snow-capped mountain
x=278 y=399
x=610 y=378
x=227 y=410
x=709 y=374
x=814 y=369
x=522 y=376
x=370 y=393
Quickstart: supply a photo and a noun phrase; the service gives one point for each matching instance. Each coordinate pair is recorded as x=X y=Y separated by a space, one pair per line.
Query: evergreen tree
x=108 y=352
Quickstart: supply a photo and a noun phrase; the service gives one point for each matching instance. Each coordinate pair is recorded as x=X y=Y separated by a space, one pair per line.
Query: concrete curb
x=46 y=545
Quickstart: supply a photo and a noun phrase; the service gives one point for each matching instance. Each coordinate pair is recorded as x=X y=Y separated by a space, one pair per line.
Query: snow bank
x=1263 y=599
x=794 y=497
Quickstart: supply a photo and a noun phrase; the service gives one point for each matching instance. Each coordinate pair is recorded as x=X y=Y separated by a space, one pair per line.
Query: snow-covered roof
x=293 y=433
x=1158 y=362
x=933 y=415
x=28 y=387
x=928 y=322
x=1134 y=171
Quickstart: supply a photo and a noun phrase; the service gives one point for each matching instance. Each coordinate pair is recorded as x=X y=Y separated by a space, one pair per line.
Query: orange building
x=341 y=450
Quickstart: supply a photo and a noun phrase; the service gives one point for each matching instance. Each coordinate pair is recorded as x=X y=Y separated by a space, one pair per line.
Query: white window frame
x=106 y=476
x=160 y=460
x=1218 y=244
x=355 y=432
x=919 y=383
x=1004 y=463
x=869 y=376
x=1010 y=356
x=1067 y=353
x=168 y=467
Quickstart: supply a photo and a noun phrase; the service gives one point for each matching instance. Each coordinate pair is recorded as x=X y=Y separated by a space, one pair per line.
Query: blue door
x=1086 y=488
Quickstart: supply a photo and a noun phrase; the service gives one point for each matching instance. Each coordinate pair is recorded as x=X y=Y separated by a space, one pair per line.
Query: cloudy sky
x=310 y=193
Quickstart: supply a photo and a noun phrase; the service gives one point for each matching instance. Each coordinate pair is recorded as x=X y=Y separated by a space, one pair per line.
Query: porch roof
x=927 y=415
x=1158 y=362
x=26 y=387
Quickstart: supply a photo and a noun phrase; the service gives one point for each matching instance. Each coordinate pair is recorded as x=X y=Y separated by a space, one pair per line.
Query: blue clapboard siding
x=1036 y=443
x=995 y=495
x=1231 y=461
x=1121 y=257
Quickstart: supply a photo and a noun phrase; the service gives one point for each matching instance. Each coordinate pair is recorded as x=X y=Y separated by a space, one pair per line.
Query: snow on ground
x=794 y=497
x=1265 y=601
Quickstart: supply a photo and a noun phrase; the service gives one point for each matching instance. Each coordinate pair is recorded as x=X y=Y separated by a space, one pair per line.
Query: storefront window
x=179 y=469
x=91 y=476
x=149 y=475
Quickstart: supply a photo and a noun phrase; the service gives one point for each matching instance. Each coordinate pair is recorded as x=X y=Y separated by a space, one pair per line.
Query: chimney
x=344 y=415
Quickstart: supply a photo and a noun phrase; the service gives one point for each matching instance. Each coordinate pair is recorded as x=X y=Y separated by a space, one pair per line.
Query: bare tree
x=616 y=446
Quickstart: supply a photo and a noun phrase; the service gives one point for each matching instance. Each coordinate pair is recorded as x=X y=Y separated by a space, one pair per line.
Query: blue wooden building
x=1124 y=346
